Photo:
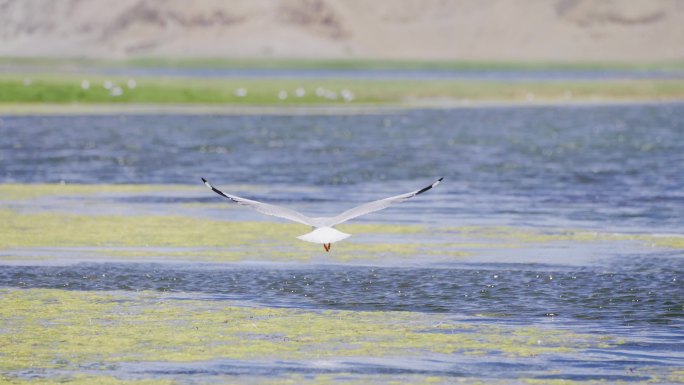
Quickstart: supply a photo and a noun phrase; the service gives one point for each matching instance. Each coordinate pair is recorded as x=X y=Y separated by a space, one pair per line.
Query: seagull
x=324 y=231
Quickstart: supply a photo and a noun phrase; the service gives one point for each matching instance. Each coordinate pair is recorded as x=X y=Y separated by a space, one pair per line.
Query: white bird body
x=324 y=235
x=323 y=226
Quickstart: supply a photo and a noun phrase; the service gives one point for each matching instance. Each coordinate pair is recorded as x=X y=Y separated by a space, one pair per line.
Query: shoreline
x=25 y=109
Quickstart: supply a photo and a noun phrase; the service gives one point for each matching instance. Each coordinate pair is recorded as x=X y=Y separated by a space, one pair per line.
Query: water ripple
x=653 y=297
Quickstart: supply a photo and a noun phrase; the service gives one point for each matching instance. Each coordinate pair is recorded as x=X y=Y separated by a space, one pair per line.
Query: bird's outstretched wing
x=265 y=208
x=376 y=205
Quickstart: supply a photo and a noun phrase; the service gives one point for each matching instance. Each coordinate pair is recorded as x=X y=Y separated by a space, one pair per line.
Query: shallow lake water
x=510 y=75
x=553 y=250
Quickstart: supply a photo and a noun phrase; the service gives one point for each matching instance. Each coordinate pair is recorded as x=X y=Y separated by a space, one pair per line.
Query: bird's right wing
x=264 y=208
x=376 y=205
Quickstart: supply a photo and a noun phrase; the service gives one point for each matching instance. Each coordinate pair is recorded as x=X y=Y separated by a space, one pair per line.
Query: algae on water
x=49 y=329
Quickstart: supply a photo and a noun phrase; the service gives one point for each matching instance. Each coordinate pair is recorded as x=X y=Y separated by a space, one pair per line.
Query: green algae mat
x=20 y=90
x=95 y=289
x=94 y=222
x=61 y=336
x=66 y=336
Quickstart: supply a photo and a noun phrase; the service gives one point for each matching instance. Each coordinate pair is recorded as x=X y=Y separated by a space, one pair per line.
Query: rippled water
x=637 y=293
x=612 y=169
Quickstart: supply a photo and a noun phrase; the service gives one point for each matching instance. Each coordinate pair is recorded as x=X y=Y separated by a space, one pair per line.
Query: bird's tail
x=324 y=235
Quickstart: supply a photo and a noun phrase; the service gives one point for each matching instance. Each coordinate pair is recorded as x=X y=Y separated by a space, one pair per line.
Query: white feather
x=324 y=235
x=324 y=232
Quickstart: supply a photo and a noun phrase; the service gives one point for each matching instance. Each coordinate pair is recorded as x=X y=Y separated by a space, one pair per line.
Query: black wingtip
x=424 y=189
x=204 y=180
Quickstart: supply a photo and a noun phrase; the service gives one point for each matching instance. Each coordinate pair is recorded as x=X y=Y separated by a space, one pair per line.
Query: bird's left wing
x=376 y=205
x=264 y=208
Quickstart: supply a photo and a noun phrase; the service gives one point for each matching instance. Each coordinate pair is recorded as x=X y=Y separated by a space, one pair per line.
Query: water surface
x=608 y=167
x=548 y=218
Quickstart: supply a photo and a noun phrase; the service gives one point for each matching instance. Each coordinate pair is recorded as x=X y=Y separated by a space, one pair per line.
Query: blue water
x=618 y=167
x=635 y=293
x=506 y=75
x=603 y=168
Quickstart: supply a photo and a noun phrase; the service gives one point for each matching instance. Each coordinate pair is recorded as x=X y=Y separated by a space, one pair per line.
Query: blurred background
x=642 y=31
x=438 y=53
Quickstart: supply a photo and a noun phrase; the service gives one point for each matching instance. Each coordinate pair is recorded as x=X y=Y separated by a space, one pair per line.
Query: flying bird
x=323 y=227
